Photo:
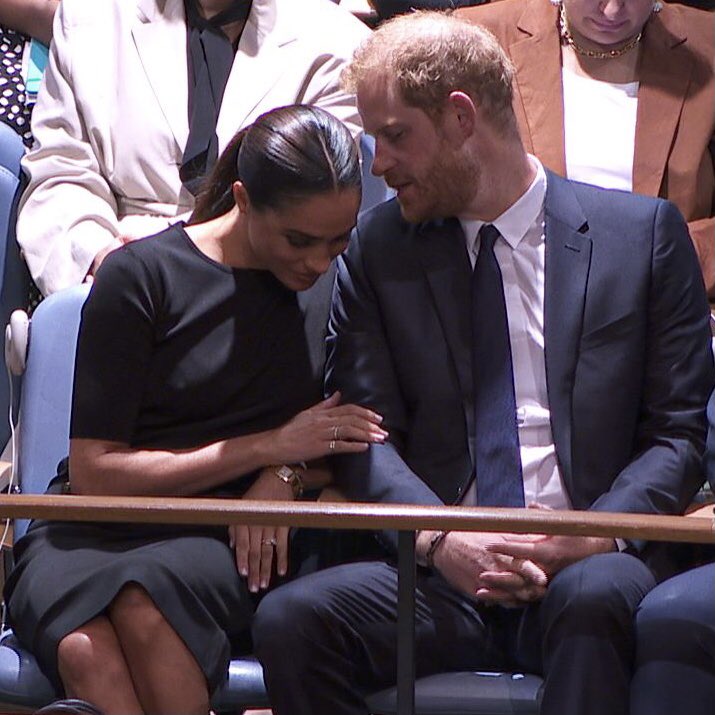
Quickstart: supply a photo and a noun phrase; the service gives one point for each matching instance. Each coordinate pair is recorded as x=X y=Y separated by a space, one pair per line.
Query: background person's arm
x=31 y=17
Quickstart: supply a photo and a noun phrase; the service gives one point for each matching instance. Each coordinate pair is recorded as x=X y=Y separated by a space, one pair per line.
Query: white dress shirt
x=520 y=253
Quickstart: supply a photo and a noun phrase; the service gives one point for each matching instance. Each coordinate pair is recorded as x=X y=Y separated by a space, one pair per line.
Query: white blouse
x=599 y=130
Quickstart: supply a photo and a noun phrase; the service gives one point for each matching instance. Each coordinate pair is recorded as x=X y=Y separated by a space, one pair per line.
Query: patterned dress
x=14 y=111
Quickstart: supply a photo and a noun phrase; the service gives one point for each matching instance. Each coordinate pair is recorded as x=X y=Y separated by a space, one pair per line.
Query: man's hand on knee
x=552 y=553
x=466 y=558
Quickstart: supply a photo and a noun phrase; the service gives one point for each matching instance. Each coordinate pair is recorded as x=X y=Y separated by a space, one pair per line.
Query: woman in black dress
x=193 y=377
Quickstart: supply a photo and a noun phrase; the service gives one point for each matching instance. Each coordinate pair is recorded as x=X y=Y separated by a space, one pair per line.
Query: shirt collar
x=514 y=223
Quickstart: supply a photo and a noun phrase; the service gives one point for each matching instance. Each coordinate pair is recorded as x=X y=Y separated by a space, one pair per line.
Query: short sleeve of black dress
x=114 y=348
x=176 y=350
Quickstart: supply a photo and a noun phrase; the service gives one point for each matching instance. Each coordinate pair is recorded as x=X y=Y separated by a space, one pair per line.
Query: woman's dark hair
x=287 y=154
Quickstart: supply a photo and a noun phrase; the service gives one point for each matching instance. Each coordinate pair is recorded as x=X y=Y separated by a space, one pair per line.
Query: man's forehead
x=381 y=104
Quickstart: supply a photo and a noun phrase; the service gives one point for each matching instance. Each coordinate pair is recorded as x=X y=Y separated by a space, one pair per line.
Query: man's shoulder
x=599 y=202
x=382 y=223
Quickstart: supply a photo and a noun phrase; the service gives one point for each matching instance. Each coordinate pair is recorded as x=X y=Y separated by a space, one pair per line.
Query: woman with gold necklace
x=618 y=93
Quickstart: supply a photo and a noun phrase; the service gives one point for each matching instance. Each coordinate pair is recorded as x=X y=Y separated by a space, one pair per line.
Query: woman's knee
x=80 y=652
x=134 y=611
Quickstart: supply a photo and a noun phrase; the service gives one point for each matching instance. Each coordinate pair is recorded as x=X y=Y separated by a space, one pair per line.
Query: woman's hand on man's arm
x=109 y=467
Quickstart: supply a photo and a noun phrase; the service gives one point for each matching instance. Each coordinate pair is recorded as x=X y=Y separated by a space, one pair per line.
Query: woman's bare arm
x=31 y=17
x=104 y=467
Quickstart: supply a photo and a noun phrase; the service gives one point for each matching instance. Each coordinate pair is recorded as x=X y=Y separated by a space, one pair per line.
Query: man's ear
x=461 y=114
x=240 y=196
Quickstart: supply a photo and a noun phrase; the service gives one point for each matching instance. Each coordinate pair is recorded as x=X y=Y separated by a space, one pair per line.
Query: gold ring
x=269 y=542
x=331 y=446
x=336 y=433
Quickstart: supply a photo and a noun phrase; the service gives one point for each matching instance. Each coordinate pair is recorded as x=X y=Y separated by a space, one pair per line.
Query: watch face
x=284 y=472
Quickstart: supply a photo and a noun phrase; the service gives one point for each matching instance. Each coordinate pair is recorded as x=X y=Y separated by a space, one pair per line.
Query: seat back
x=14 y=278
x=47 y=390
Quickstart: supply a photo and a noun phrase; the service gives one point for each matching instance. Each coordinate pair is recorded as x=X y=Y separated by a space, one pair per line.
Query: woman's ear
x=240 y=196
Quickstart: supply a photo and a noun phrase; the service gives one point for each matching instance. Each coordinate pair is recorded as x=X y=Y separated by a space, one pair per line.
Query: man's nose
x=382 y=161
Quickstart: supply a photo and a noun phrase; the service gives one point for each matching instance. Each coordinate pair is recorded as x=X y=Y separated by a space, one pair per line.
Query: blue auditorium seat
x=14 y=278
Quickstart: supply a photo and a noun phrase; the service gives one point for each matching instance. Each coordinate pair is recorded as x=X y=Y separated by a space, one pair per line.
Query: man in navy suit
x=529 y=341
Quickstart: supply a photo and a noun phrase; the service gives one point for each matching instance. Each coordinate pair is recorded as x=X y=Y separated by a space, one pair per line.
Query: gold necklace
x=596 y=54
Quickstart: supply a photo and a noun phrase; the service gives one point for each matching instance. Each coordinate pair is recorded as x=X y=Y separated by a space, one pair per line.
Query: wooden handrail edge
x=349 y=515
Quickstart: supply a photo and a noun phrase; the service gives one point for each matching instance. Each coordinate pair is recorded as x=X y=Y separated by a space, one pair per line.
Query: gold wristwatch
x=291 y=476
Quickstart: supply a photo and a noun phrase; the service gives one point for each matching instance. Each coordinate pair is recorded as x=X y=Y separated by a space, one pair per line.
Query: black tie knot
x=488 y=235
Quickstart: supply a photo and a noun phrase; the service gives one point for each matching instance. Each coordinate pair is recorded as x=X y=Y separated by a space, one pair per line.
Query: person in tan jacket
x=618 y=94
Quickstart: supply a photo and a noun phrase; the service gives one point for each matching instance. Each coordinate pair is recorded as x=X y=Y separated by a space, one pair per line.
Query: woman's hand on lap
x=257 y=547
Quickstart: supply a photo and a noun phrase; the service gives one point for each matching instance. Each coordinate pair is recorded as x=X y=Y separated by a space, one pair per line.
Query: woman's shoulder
x=142 y=262
x=691 y=24
x=503 y=18
x=97 y=14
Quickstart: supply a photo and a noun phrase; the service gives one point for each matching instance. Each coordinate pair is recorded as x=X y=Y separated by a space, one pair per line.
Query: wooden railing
x=348 y=515
x=698 y=527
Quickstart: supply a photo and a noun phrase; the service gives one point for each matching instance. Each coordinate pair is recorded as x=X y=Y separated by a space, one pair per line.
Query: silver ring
x=336 y=433
x=331 y=446
x=269 y=542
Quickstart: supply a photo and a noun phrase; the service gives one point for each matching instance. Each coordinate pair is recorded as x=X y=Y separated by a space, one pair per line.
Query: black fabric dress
x=175 y=351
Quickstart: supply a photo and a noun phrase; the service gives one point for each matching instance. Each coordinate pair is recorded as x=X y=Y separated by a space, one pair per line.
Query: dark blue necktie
x=498 y=463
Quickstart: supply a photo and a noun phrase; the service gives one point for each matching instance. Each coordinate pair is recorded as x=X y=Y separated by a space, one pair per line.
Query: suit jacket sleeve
x=666 y=470
x=360 y=365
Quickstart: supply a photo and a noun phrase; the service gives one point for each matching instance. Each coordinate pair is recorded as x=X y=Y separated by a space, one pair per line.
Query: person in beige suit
x=620 y=94
x=112 y=120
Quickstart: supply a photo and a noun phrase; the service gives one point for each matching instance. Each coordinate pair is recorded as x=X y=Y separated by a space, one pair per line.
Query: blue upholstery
x=21 y=681
x=14 y=279
x=47 y=391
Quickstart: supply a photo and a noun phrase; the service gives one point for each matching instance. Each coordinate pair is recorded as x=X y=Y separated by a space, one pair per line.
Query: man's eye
x=298 y=242
x=341 y=240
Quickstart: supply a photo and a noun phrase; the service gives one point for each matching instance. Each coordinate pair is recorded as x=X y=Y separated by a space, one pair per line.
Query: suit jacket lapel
x=665 y=69
x=567 y=263
x=442 y=251
x=537 y=59
x=161 y=43
x=259 y=63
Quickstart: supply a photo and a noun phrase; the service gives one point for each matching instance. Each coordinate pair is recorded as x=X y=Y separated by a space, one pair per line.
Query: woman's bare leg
x=166 y=676
x=92 y=667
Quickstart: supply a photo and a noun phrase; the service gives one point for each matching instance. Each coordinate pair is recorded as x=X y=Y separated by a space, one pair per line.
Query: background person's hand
x=324 y=429
x=118 y=242
x=257 y=547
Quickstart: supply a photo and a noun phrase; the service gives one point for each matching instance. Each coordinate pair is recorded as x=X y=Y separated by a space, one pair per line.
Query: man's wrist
x=428 y=542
